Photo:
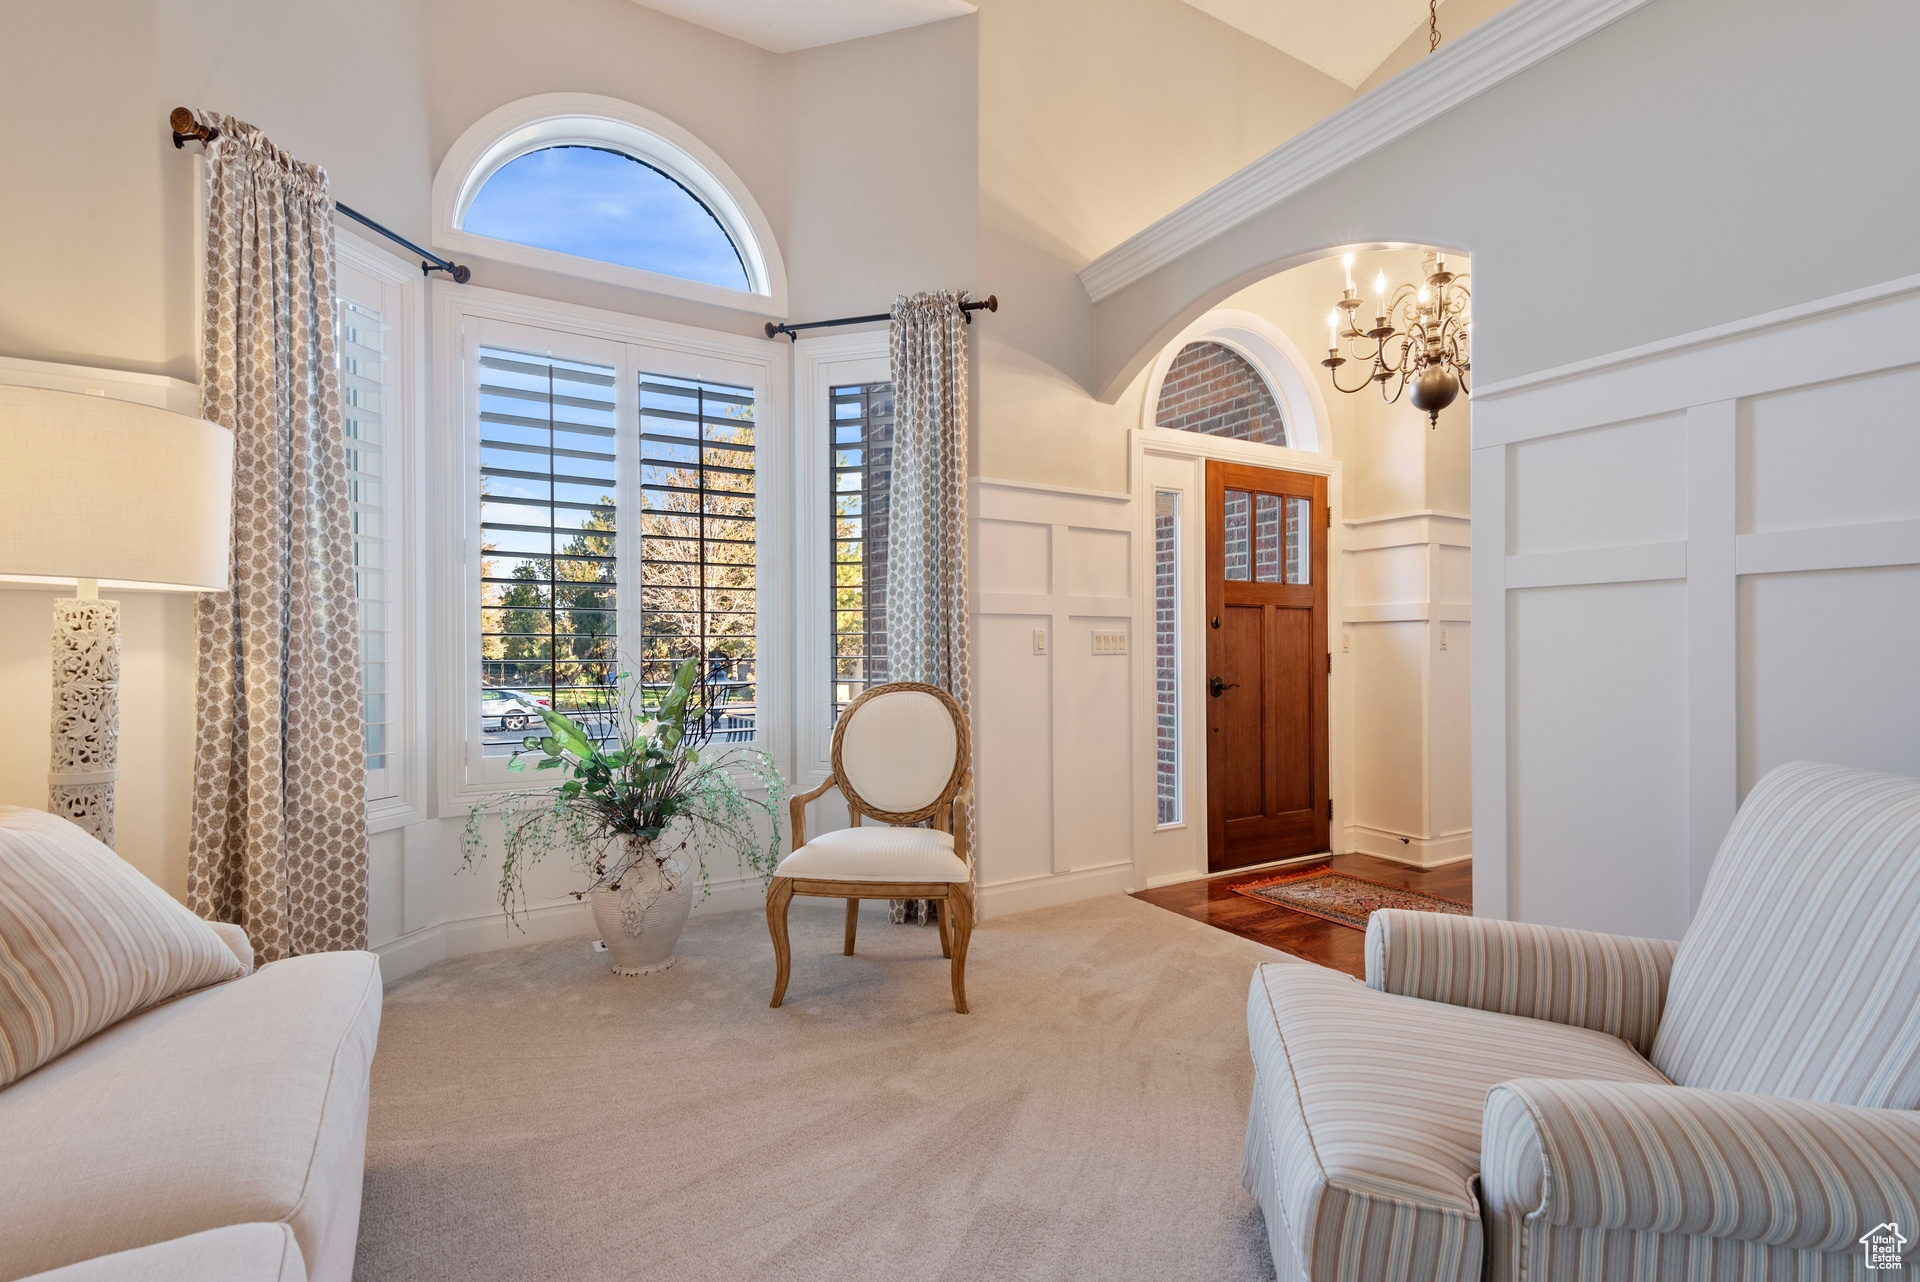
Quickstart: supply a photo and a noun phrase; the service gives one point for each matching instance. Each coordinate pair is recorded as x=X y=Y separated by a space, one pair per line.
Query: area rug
x=1338 y=897
x=536 y=1118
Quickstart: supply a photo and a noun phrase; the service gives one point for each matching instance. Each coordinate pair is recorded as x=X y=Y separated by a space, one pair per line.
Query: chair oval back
x=900 y=751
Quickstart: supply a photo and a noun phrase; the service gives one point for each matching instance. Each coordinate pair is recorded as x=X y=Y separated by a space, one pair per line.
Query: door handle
x=1216 y=687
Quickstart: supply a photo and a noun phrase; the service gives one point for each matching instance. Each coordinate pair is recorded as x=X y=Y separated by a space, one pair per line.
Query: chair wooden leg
x=960 y=895
x=853 y=923
x=779 y=895
x=946 y=927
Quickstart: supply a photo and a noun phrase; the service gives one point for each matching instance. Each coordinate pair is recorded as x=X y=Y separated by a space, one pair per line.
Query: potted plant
x=640 y=806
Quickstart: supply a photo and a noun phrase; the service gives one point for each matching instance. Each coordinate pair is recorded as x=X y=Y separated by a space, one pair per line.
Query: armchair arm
x=1609 y=983
x=797 y=809
x=1670 y=1159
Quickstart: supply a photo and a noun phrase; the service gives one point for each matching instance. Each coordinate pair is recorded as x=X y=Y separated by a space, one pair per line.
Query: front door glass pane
x=1299 y=540
x=1266 y=538
x=1237 y=519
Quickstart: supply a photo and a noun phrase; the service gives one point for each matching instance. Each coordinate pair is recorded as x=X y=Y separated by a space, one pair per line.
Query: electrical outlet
x=1109 y=641
x=1039 y=640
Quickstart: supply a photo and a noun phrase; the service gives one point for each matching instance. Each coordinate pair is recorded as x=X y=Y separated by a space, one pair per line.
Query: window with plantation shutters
x=362 y=351
x=860 y=463
x=614 y=482
x=698 y=523
x=548 y=566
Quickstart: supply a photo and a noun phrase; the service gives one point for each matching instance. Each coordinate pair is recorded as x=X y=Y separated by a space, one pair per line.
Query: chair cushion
x=874 y=852
x=1800 y=975
x=238 y=1104
x=1370 y=1142
x=238 y=1253
x=85 y=941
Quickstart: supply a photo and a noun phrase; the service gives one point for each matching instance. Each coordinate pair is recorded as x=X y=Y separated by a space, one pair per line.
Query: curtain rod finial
x=186 y=127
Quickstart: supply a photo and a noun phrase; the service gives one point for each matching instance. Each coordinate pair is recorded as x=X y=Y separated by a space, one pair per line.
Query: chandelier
x=1419 y=336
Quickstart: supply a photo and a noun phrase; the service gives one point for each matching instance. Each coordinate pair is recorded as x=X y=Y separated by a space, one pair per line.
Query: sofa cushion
x=239 y=1253
x=241 y=1103
x=874 y=852
x=85 y=941
x=1373 y=1108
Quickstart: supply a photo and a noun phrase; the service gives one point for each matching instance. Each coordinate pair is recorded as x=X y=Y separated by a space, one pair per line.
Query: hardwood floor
x=1213 y=901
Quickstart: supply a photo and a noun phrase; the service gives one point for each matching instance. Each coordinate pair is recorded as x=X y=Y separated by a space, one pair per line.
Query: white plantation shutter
x=698 y=545
x=860 y=465
x=548 y=569
x=365 y=388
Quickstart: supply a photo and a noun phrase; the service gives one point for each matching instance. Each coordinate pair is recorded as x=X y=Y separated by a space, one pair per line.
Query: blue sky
x=606 y=206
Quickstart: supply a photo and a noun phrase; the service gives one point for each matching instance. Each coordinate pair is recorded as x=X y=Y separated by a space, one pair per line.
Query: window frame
x=593 y=120
x=403 y=308
x=467 y=317
x=820 y=364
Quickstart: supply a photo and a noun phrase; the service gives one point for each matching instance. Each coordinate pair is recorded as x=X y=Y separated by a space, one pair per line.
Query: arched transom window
x=595 y=187
x=607 y=205
x=1212 y=389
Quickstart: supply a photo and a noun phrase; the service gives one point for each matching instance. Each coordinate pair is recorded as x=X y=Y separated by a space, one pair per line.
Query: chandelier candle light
x=1420 y=337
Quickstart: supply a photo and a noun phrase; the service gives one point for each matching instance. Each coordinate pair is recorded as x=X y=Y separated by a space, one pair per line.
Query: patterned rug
x=1337 y=897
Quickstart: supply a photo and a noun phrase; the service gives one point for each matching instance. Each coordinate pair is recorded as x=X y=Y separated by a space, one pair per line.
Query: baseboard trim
x=1402 y=848
x=1052 y=889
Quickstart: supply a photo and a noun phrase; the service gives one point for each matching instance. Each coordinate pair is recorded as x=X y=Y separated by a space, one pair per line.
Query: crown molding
x=1503 y=46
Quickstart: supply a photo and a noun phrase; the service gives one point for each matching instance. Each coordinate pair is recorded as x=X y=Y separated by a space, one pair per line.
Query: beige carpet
x=536 y=1117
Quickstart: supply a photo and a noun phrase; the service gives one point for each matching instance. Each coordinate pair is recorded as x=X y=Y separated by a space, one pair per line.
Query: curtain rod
x=187 y=128
x=991 y=304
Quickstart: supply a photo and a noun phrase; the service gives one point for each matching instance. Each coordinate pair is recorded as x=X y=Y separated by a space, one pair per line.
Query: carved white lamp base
x=86 y=710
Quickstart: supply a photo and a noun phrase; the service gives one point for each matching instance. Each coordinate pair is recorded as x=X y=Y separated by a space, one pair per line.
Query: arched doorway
x=1396 y=631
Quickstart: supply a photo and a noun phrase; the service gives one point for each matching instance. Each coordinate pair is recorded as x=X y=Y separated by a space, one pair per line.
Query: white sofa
x=218 y=1137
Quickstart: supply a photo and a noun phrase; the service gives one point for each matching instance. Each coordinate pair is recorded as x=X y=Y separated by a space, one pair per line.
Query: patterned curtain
x=279 y=841
x=927 y=625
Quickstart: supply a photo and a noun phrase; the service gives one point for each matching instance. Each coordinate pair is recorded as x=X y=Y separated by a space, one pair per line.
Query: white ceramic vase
x=640 y=923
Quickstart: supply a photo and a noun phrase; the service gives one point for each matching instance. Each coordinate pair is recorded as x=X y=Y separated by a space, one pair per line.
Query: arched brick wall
x=1212 y=389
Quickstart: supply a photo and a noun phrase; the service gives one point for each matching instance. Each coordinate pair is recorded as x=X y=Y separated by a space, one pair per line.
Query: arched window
x=600 y=188
x=598 y=203
x=1212 y=389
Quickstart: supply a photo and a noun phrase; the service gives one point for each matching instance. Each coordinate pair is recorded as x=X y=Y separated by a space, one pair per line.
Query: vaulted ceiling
x=1346 y=39
x=785 y=25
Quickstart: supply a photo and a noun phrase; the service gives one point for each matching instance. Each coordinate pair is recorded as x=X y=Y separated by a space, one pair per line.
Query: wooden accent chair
x=901 y=754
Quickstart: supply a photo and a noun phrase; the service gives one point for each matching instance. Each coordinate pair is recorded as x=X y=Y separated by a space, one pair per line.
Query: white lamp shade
x=128 y=494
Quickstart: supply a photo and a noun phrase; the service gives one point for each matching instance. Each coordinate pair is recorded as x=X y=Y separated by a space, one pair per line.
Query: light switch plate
x=1039 y=640
x=1109 y=641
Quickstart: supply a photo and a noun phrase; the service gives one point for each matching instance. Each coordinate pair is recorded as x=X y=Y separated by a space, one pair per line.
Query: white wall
x=1694 y=562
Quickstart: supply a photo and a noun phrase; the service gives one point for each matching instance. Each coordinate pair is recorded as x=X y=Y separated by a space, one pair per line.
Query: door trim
x=1162 y=459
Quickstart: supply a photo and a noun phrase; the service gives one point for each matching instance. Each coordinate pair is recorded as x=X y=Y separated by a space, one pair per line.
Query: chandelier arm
x=1334 y=374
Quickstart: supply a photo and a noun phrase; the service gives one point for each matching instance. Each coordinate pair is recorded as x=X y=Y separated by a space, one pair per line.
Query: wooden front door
x=1267 y=787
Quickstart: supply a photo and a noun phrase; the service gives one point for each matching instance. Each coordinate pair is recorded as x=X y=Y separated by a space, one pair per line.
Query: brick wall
x=1212 y=389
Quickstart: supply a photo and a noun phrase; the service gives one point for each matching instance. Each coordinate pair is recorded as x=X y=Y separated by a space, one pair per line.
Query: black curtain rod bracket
x=187 y=128
x=990 y=303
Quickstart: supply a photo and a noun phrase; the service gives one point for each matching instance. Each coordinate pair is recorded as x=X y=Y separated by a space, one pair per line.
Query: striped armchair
x=1507 y=1101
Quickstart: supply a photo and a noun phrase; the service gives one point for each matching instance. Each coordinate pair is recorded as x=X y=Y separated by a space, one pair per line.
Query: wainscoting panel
x=1054 y=720
x=1698 y=560
x=1406 y=581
